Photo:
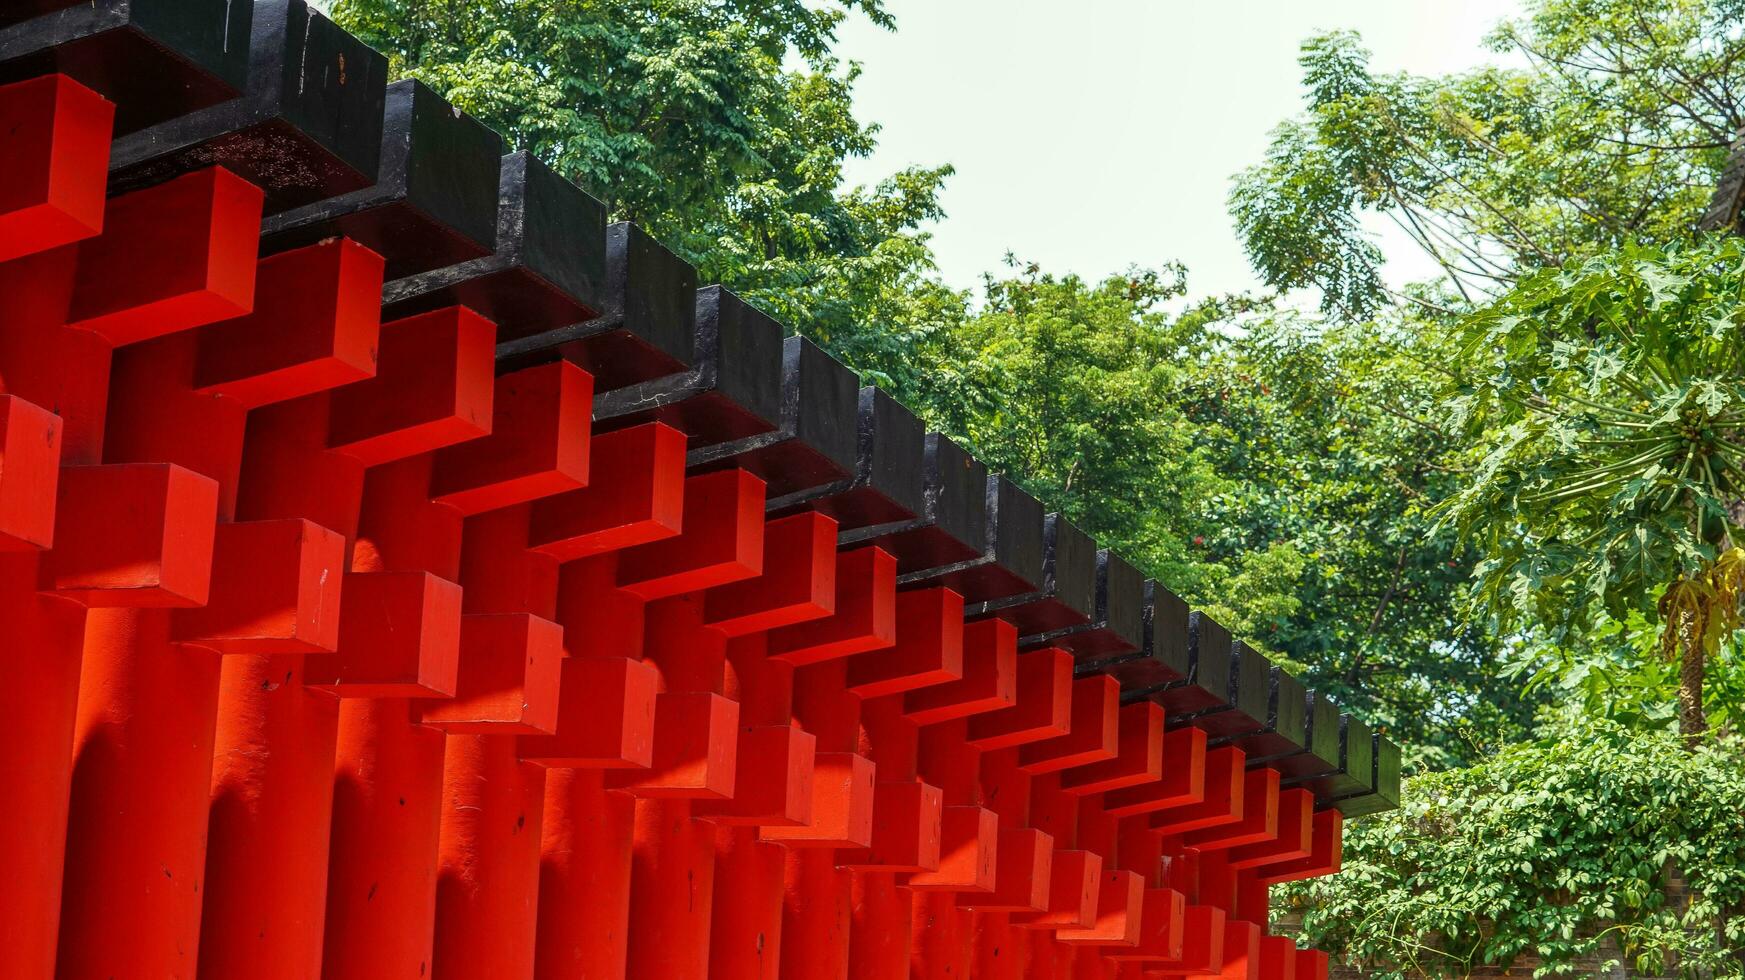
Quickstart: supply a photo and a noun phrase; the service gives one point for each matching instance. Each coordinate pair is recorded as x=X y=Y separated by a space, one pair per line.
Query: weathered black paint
x=155 y=59
x=307 y=126
x=815 y=439
x=732 y=391
x=434 y=200
x=1117 y=629
x=645 y=320
x=546 y=268
x=1068 y=593
x=1011 y=555
x=887 y=483
x=953 y=524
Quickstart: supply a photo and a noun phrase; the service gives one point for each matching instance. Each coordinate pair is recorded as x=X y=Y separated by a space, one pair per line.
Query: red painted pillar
x=39 y=680
x=944 y=940
x=673 y=866
x=606 y=708
x=493 y=802
x=905 y=837
x=672 y=863
x=816 y=905
x=389 y=790
x=149 y=695
x=584 y=891
x=273 y=772
x=55 y=156
x=771 y=789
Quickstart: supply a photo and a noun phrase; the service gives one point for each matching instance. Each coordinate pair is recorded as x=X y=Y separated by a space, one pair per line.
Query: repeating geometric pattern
x=403 y=573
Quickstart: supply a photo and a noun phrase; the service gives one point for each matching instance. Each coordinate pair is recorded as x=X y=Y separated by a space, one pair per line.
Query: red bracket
x=929 y=648
x=30 y=465
x=1120 y=913
x=842 y=805
x=172 y=257
x=1094 y=735
x=865 y=617
x=1138 y=759
x=906 y=835
x=1162 y=929
x=508 y=678
x=990 y=677
x=695 y=751
x=399 y=637
x=1324 y=858
x=605 y=716
x=538 y=445
x=1259 y=816
x=433 y=388
x=133 y=534
x=56 y=162
x=798 y=583
x=1311 y=964
x=315 y=326
x=968 y=853
x=1222 y=802
x=1024 y=874
x=1183 y=782
x=722 y=540
x=773 y=782
x=637 y=499
x=1075 y=884
x=1044 y=708
x=1278 y=958
x=1202 y=951
x=1296 y=812
x=276 y=588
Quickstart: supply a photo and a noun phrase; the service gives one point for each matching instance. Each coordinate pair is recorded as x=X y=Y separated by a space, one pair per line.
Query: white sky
x=1093 y=134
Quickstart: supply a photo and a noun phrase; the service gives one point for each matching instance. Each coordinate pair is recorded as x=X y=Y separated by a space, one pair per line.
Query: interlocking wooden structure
x=404 y=573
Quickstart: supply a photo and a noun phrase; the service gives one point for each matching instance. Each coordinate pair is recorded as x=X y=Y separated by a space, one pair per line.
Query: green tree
x=720 y=126
x=1278 y=471
x=1614 y=132
x=1337 y=441
x=1611 y=398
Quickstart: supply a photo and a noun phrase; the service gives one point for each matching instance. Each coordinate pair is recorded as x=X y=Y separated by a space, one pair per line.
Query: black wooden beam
x=644 y=321
x=434 y=200
x=953 y=523
x=1115 y=629
x=155 y=59
x=733 y=389
x=815 y=440
x=886 y=484
x=1067 y=595
x=1009 y=560
x=307 y=126
x=547 y=266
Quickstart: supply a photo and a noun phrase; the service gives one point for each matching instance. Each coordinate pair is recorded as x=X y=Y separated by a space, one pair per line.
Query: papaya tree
x=1609 y=397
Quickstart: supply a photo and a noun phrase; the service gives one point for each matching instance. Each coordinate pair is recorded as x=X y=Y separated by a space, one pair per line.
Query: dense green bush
x=1548 y=850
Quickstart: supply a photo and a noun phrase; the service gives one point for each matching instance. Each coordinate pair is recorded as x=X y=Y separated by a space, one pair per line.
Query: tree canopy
x=722 y=127
x=1612 y=129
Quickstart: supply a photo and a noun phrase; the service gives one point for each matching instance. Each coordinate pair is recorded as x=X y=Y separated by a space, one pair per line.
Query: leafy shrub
x=1559 y=850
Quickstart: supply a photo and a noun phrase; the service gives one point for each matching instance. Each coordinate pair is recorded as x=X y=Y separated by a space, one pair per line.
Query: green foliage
x=1614 y=133
x=1277 y=471
x=1338 y=437
x=720 y=126
x=1611 y=396
x=1546 y=850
